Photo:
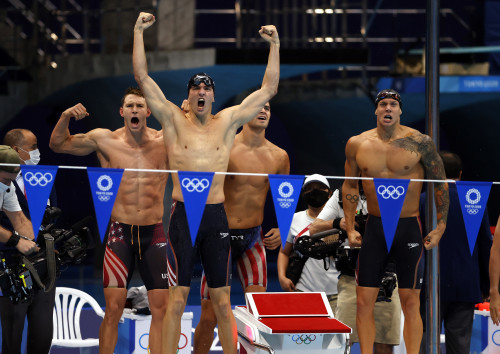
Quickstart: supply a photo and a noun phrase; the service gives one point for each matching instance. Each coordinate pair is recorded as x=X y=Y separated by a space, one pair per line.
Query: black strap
x=50 y=256
x=13 y=240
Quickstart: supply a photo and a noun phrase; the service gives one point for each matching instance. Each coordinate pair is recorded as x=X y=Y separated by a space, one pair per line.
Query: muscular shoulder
x=364 y=136
x=280 y=156
x=275 y=149
x=155 y=135
x=102 y=133
x=356 y=141
x=414 y=141
x=225 y=113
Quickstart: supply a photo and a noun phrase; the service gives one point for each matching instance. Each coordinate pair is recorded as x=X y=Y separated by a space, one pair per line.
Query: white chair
x=66 y=316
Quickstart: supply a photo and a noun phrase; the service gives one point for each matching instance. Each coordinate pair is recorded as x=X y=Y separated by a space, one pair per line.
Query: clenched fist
x=270 y=34
x=144 y=21
x=78 y=111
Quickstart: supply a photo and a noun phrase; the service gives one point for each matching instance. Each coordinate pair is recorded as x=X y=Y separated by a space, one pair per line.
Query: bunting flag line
x=38 y=182
x=473 y=197
x=285 y=190
x=391 y=195
x=195 y=187
x=104 y=184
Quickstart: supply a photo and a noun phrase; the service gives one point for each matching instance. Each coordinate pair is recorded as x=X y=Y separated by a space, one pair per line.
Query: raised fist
x=144 y=20
x=270 y=34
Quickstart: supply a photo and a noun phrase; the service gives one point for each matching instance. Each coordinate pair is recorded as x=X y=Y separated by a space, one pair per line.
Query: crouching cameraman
x=387 y=313
x=16 y=233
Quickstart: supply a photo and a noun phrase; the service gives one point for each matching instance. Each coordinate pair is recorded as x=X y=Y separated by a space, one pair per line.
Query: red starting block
x=289 y=322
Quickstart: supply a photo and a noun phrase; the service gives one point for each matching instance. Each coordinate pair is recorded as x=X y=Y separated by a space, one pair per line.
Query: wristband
x=13 y=240
x=336 y=223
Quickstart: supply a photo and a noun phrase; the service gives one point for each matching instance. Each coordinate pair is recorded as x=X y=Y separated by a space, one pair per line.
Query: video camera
x=21 y=274
x=316 y=247
x=320 y=246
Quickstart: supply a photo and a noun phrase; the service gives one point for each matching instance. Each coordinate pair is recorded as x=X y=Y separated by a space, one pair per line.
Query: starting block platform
x=289 y=322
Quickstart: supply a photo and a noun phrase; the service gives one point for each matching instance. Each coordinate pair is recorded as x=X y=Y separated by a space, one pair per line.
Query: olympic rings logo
x=469 y=193
x=195 y=184
x=108 y=185
x=103 y=198
x=285 y=205
x=285 y=185
x=304 y=338
x=473 y=211
x=38 y=178
x=390 y=191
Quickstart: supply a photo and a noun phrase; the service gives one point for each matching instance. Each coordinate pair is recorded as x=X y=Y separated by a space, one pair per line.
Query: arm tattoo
x=353 y=198
x=434 y=169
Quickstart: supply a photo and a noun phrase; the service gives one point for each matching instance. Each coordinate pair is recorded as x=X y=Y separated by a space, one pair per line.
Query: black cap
x=388 y=93
x=197 y=79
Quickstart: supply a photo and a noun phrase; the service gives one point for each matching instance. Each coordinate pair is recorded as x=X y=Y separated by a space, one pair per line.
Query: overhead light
x=53 y=64
x=320 y=11
x=54 y=36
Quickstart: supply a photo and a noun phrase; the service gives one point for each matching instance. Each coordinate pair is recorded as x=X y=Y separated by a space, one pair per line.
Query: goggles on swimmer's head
x=388 y=94
x=199 y=78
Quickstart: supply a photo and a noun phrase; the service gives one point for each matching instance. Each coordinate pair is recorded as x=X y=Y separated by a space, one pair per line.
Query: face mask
x=316 y=198
x=4 y=188
x=34 y=157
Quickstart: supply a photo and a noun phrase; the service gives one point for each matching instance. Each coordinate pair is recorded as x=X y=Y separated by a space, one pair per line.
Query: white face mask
x=4 y=188
x=34 y=157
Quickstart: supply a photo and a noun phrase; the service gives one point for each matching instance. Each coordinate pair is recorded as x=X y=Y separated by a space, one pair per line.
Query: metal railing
x=42 y=30
x=312 y=23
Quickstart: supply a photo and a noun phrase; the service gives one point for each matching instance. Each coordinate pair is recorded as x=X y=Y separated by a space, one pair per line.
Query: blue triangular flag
x=285 y=190
x=38 y=181
x=473 y=197
x=391 y=195
x=195 y=187
x=104 y=184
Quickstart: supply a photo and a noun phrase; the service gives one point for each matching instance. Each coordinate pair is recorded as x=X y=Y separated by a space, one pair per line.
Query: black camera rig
x=316 y=247
x=20 y=274
x=320 y=246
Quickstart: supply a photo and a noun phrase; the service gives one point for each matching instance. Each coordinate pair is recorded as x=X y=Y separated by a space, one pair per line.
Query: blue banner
x=391 y=195
x=286 y=192
x=38 y=181
x=473 y=197
x=104 y=184
x=195 y=187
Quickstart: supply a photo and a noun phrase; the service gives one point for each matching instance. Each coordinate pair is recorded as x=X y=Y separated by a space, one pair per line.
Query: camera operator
x=39 y=308
x=316 y=275
x=387 y=314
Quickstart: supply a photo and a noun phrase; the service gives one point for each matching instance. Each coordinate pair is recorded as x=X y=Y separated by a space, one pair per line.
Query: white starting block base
x=138 y=334
x=289 y=322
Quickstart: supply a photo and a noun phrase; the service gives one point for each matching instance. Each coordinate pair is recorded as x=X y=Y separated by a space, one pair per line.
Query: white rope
x=242 y=173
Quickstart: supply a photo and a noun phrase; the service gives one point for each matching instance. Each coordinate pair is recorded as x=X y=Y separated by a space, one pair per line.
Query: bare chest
x=121 y=155
x=200 y=148
x=384 y=160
